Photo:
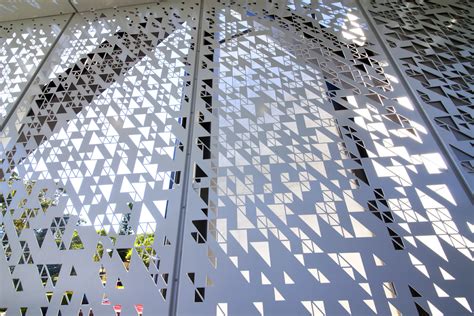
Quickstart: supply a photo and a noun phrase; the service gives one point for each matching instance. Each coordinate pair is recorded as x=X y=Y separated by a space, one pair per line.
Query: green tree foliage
x=44 y=201
x=76 y=242
x=144 y=247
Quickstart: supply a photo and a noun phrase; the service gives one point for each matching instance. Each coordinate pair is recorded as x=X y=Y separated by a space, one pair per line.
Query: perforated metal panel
x=432 y=45
x=234 y=158
x=24 y=44
x=104 y=128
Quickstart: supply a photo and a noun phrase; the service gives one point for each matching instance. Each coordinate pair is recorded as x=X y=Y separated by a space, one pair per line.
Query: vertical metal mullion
x=187 y=178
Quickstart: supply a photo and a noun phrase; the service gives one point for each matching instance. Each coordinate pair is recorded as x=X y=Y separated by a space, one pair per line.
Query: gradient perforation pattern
x=235 y=158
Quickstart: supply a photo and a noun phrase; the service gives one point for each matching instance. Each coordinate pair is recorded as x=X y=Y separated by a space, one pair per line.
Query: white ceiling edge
x=29 y=9
x=88 y=5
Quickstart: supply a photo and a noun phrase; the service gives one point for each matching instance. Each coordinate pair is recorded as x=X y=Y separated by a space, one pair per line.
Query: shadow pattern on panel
x=433 y=42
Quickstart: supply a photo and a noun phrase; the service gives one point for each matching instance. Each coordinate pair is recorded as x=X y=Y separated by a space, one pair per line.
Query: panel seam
x=72 y=5
x=187 y=178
